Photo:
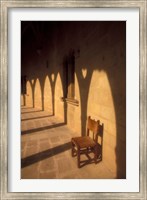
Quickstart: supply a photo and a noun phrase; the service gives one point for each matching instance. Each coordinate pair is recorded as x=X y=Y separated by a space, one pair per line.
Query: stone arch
x=47 y=95
x=29 y=95
x=59 y=105
x=37 y=95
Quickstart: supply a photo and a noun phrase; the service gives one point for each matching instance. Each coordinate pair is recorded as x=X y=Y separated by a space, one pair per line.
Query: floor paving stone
x=48 y=175
x=30 y=172
x=47 y=165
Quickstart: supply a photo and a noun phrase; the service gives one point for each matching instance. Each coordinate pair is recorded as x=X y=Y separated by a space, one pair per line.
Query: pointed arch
x=59 y=105
x=101 y=106
x=47 y=95
x=29 y=95
x=37 y=95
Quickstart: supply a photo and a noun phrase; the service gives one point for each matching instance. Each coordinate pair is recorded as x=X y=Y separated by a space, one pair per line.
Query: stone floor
x=46 y=150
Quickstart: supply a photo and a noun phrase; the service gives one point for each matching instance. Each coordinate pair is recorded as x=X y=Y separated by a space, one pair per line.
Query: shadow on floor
x=42 y=128
x=36 y=118
x=24 y=107
x=44 y=154
x=32 y=111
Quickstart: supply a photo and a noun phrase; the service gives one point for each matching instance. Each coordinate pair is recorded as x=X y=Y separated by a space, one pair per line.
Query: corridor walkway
x=46 y=149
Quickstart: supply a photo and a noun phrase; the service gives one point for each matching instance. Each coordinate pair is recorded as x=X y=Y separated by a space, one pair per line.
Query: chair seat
x=83 y=142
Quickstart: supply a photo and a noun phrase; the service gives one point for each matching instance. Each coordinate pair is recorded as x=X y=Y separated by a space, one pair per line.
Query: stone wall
x=100 y=79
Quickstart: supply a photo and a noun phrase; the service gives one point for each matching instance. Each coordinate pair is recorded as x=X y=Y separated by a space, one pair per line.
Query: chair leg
x=95 y=153
x=72 y=149
x=78 y=157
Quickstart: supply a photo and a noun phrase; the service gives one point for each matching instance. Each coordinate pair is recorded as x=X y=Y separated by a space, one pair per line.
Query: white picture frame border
x=5 y=5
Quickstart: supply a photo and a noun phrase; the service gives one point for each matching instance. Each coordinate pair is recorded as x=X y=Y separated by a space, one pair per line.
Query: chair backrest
x=93 y=126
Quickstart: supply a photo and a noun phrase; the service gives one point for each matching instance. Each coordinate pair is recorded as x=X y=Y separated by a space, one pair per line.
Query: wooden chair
x=87 y=144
